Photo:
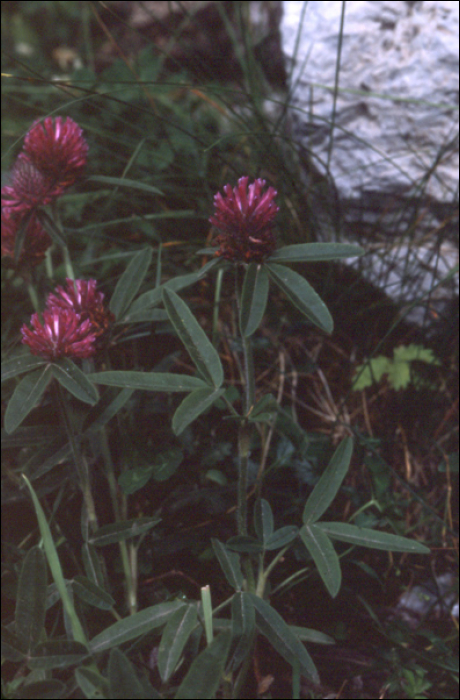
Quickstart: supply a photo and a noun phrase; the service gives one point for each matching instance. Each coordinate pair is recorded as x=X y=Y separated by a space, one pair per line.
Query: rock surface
x=374 y=107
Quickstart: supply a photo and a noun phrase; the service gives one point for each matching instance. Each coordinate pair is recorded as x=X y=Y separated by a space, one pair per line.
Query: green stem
x=81 y=464
x=128 y=558
x=244 y=442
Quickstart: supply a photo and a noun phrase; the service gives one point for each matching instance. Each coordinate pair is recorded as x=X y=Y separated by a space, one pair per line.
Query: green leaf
x=324 y=555
x=130 y=282
x=306 y=634
x=264 y=410
x=149 y=299
x=55 y=566
x=92 y=684
x=302 y=295
x=134 y=626
x=253 y=298
x=244 y=544
x=21 y=364
x=199 y=347
x=309 y=252
x=372 y=371
x=230 y=564
x=12 y=647
x=57 y=654
x=49 y=689
x=92 y=594
x=125 y=182
x=123 y=679
x=263 y=520
x=107 y=408
x=31 y=598
x=193 y=406
x=281 y=637
x=327 y=487
x=243 y=626
x=122 y=530
x=175 y=636
x=366 y=537
x=148 y=381
x=165 y=463
x=26 y=396
x=132 y=480
x=205 y=673
x=74 y=380
x=280 y=538
x=162 y=468
x=92 y=564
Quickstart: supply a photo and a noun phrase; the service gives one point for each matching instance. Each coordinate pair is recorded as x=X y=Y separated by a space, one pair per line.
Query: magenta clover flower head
x=29 y=187
x=57 y=149
x=53 y=157
x=244 y=217
x=75 y=322
x=81 y=296
x=62 y=334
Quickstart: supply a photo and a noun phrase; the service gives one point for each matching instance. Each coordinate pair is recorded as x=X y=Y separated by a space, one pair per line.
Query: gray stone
x=379 y=136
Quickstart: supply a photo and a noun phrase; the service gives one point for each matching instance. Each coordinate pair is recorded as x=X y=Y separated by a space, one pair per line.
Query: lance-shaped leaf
x=148 y=381
x=230 y=563
x=205 y=673
x=310 y=252
x=55 y=567
x=366 y=537
x=302 y=295
x=31 y=598
x=129 y=283
x=123 y=679
x=199 y=347
x=263 y=520
x=253 y=298
x=280 y=538
x=147 y=300
x=327 y=487
x=56 y=654
x=21 y=364
x=175 y=636
x=108 y=407
x=74 y=380
x=324 y=555
x=193 y=406
x=243 y=626
x=134 y=626
x=92 y=594
x=125 y=182
x=26 y=396
x=282 y=638
x=122 y=530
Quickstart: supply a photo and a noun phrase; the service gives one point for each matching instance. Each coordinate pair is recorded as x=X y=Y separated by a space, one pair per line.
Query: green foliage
x=399 y=368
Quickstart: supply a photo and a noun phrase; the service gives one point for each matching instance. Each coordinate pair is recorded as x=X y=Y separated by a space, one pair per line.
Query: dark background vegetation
x=188 y=110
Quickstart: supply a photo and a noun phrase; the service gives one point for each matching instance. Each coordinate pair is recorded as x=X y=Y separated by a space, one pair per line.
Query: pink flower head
x=53 y=158
x=57 y=149
x=63 y=334
x=36 y=240
x=29 y=187
x=81 y=296
x=245 y=219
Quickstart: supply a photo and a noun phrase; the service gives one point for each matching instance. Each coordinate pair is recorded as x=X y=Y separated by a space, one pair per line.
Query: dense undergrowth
x=167 y=130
